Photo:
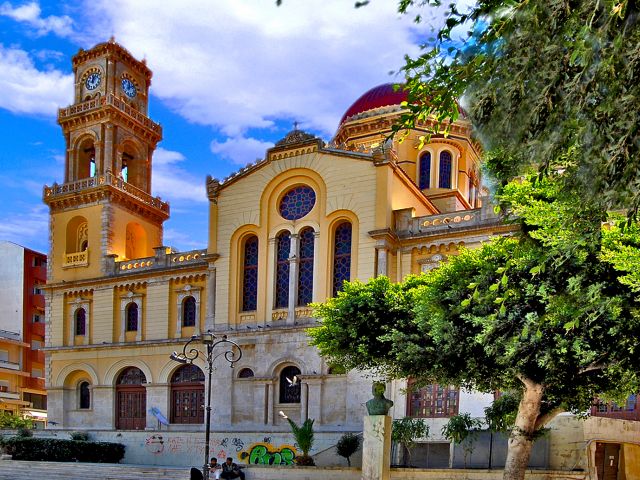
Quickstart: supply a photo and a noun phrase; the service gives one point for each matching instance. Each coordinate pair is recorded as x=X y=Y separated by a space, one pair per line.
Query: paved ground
x=19 y=470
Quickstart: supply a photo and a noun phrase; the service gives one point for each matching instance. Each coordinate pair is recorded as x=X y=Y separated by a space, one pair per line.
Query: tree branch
x=542 y=420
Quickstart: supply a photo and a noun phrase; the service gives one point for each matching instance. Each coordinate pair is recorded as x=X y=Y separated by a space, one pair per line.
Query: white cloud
x=186 y=240
x=242 y=64
x=25 y=89
x=173 y=183
x=241 y=150
x=30 y=13
x=29 y=229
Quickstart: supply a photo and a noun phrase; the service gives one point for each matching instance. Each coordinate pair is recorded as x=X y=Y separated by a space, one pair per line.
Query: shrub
x=79 y=436
x=347 y=446
x=24 y=432
x=11 y=421
x=56 y=450
x=304 y=438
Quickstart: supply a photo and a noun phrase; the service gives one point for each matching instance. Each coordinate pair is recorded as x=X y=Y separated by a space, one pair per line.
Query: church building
x=284 y=232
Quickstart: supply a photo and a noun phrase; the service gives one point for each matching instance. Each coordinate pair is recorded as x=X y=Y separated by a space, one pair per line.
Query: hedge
x=56 y=450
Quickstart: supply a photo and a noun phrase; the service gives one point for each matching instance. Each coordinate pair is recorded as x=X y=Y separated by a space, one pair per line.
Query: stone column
x=382 y=254
x=304 y=401
x=294 y=265
x=314 y=400
x=104 y=407
x=270 y=403
x=210 y=316
x=376 y=447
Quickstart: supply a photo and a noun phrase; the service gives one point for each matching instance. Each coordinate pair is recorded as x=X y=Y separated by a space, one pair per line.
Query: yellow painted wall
x=631 y=458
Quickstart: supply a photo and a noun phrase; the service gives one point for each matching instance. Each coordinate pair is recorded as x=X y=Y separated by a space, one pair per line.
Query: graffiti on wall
x=267 y=454
x=178 y=445
x=154 y=444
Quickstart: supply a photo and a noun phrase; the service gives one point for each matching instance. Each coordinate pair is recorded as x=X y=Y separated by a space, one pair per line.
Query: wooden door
x=131 y=407
x=607 y=459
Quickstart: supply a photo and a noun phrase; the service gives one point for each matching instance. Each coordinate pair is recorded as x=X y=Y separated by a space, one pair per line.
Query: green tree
x=347 y=446
x=304 y=437
x=462 y=430
x=405 y=432
x=546 y=314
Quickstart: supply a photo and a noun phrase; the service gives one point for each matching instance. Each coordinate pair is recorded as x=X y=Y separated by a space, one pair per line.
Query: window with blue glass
x=305 y=273
x=297 y=202
x=250 y=275
x=425 y=170
x=132 y=317
x=341 y=256
x=283 y=245
x=189 y=312
x=445 y=170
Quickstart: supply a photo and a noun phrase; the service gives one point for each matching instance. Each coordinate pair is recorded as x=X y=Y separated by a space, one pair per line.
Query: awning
x=37 y=414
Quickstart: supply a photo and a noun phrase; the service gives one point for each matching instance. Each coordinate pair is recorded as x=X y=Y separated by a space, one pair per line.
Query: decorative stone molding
x=73 y=306
x=125 y=300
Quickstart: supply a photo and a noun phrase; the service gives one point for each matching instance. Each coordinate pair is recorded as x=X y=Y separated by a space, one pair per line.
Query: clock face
x=128 y=88
x=92 y=81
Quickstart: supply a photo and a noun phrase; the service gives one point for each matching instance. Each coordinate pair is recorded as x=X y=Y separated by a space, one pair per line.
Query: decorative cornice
x=295 y=136
x=112 y=49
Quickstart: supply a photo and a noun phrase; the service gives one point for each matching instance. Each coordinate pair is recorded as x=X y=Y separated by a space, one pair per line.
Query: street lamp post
x=190 y=354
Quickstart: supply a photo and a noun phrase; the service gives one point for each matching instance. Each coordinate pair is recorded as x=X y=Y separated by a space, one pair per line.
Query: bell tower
x=104 y=211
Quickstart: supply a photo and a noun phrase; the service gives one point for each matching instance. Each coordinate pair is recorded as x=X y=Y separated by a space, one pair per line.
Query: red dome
x=380 y=96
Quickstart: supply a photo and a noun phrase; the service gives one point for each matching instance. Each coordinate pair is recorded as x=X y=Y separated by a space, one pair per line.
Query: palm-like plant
x=303 y=435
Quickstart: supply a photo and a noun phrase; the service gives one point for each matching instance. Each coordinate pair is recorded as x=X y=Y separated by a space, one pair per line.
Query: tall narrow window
x=132 y=317
x=85 y=395
x=189 y=312
x=341 y=256
x=290 y=385
x=425 y=170
x=81 y=322
x=305 y=274
x=283 y=245
x=250 y=275
x=445 y=170
x=187 y=395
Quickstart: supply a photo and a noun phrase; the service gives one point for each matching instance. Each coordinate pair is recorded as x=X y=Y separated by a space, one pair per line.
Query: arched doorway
x=187 y=395
x=131 y=400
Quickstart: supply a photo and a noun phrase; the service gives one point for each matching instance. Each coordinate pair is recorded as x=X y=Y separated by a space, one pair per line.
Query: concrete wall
x=11 y=286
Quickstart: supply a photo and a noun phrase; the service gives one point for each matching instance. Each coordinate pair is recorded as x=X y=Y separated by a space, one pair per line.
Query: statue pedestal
x=376 y=447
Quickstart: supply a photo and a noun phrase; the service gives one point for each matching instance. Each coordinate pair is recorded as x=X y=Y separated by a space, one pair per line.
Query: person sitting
x=231 y=470
x=195 y=474
x=215 y=468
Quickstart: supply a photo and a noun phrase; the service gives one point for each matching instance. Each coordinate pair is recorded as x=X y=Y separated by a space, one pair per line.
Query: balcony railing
x=113 y=101
x=7 y=394
x=77 y=259
x=100 y=180
x=164 y=258
x=9 y=365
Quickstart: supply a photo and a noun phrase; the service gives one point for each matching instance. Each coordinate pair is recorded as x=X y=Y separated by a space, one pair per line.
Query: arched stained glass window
x=297 y=202
x=445 y=170
x=305 y=274
x=132 y=317
x=290 y=385
x=341 y=256
x=425 y=170
x=283 y=245
x=250 y=275
x=189 y=312
x=81 y=322
x=131 y=376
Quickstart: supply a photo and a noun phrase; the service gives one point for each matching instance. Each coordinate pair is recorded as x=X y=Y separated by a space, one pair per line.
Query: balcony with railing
x=6 y=393
x=76 y=259
x=164 y=258
x=110 y=101
x=6 y=364
x=107 y=179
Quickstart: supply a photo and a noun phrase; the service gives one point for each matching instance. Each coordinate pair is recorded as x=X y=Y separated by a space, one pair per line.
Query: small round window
x=297 y=202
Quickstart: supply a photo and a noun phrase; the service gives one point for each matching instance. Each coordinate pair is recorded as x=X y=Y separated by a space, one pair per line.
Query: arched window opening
x=86 y=160
x=187 y=395
x=81 y=322
x=250 y=275
x=283 y=245
x=290 y=385
x=305 y=273
x=135 y=241
x=245 y=373
x=124 y=172
x=84 y=393
x=189 y=312
x=425 y=170
x=132 y=317
x=445 y=169
x=77 y=235
x=131 y=400
x=341 y=256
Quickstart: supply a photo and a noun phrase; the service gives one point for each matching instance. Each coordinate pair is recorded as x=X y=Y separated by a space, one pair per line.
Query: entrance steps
x=21 y=470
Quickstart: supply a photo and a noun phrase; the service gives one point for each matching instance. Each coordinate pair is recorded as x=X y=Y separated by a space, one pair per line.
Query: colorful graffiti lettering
x=267 y=454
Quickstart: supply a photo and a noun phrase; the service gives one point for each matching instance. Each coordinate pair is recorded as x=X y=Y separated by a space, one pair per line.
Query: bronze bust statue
x=378 y=405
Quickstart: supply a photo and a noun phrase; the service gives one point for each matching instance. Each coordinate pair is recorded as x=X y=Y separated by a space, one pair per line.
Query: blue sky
x=230 y=78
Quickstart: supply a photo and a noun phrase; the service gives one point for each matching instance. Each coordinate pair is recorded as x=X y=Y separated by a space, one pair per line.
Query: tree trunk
x=521 y=438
